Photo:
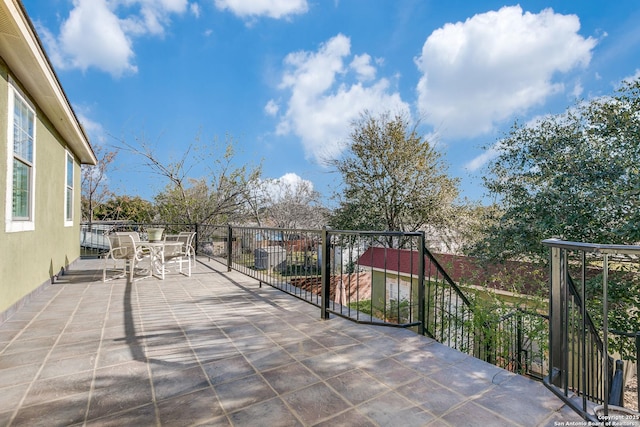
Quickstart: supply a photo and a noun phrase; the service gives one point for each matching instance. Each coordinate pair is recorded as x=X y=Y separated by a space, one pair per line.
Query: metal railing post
x=520 y=351
x=421 y=285
x=584 y=315
x=229 y=246
x=605 y=329
x=565 y=312
x=487 y=337
x=638 y=364
x=195 y=244
x=556 y=329
x=325 y=269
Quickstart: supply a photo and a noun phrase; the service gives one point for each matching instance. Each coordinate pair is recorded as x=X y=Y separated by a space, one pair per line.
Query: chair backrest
x=114 y=241
x=134 y=235
x=173 y=251
x=186 y=237
x=121 y=245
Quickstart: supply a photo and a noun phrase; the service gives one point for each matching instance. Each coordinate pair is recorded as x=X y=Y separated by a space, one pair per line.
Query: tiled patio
x=216 y=349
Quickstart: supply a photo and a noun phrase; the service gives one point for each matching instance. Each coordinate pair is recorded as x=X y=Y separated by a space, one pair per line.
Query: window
x=68 y=195
x=21 y=163
x=399 y=304
x=398 y=289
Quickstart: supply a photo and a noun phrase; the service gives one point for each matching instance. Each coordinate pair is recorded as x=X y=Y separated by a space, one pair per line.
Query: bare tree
x=94 y=182
x=216 y=197
x=256 y=201
x=294 y=204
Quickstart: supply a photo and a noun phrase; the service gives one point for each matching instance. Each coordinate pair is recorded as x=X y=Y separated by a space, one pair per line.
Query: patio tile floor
x=216 y=349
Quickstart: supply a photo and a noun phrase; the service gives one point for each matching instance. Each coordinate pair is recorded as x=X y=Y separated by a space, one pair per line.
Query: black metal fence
x=592 y=285
x=518 y=343
x=384 y=278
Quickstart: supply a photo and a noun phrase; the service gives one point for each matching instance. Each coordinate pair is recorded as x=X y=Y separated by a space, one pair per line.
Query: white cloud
x=577 y=89
x=92 y=36
x=153 y=15
x=479 y=72
x=323 y=101
x=271 y=8
x=195 y=9
x=362 y=65
x=271 y=108
x=99 y=33
x=292 y=179
x=633 y=77
x=93 y=129
x=481 y=160
x=290 y=182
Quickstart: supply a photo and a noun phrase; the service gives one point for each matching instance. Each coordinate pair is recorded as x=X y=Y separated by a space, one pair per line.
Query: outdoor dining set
x=152 y=257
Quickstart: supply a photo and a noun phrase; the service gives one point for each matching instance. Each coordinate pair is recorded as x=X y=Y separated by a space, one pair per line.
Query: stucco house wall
x=31 y=256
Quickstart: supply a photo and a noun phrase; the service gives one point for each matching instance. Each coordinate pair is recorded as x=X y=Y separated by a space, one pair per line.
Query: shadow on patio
x=216 y=349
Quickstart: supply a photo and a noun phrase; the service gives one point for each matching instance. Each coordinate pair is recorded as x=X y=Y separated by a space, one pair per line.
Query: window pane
x=69 y=190
x=70 y=171
x=21 y=174
x=23 y=122
x=23 y=151
x=69 y=205
x=21 y=144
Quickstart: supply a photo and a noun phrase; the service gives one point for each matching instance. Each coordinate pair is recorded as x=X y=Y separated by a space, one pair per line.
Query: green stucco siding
x=30 y=258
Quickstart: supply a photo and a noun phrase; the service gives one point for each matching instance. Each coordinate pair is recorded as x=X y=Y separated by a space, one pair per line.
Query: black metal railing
x=582 y=370
x=288 y=260
x=384 y=278
x=518 y=343
x=387 y=278
x=628 y=339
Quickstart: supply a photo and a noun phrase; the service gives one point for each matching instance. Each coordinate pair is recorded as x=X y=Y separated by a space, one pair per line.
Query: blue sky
x=286 y=78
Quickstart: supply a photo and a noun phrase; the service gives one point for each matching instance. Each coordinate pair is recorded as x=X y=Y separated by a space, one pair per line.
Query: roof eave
x=22 y=50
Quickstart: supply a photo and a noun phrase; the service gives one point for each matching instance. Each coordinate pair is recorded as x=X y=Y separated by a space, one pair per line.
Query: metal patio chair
x=123 y=247
x=183 y=253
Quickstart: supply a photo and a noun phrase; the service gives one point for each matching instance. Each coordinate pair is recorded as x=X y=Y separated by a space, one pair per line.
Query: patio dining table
x=156 y=254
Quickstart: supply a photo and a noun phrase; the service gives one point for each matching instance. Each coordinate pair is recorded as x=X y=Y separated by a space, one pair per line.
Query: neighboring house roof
x=510 y=276
x=343 y=288
x=392 y=260
x=22 y=50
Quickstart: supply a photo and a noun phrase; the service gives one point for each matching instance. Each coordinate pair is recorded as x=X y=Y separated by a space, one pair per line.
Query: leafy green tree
x=125 y=208
x=394 y=179
x=573 y=176
x=470 y=219
x=623 y=299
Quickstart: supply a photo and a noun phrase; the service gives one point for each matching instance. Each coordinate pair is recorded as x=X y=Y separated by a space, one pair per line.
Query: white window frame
x=68 y=189
x=19 y=224
x=395 y=285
